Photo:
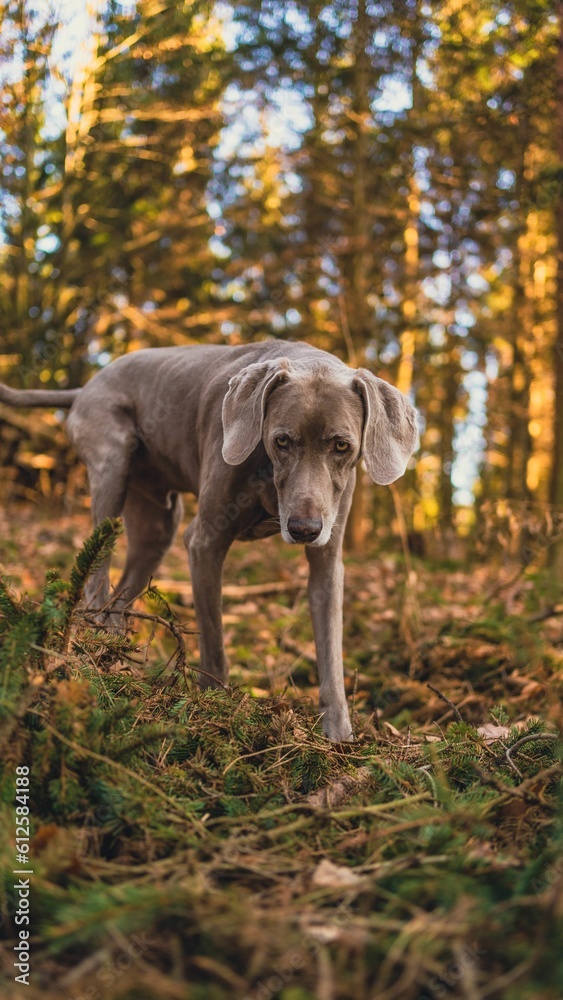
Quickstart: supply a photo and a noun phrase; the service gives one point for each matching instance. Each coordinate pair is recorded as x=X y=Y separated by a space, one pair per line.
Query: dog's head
x=316 y=420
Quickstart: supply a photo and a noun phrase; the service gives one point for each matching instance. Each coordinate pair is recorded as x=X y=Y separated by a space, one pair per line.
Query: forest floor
x=214 y=845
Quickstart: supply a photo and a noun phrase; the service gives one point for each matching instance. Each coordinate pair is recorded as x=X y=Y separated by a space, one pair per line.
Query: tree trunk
x=521 y=339
x=556 y=491
x=519 y=414
x=409 y=305
x=447 y=433
x=357 y=311
x=411 y=261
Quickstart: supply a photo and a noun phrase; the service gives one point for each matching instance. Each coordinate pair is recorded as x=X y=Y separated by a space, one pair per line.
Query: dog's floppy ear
x=390 y=428
x=244 y=406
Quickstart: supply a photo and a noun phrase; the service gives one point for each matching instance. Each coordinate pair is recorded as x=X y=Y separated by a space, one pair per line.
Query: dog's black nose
x=304 y=529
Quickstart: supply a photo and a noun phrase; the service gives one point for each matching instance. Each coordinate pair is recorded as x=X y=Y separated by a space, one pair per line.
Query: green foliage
x=31 y=632
x=9 y=610
x=96 y=549
x=182 y=821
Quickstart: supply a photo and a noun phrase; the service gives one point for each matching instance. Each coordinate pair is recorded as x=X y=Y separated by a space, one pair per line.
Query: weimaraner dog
x=267 y=436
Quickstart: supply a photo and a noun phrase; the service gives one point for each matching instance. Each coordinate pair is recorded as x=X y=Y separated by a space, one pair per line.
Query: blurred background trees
x=382 y=179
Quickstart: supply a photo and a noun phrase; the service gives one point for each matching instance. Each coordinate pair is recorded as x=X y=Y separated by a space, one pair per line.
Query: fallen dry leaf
x=492 y=732
x=327 y=875
x=391 y=728
x=323 y=933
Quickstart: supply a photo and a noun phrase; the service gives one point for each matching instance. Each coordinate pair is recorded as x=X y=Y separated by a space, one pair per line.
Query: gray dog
x=267 y=436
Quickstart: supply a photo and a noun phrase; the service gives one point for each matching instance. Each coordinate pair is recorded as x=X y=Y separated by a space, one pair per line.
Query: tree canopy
x=380 y=179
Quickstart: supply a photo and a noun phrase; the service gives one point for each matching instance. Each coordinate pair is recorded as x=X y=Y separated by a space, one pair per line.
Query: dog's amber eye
x=341 y=446
x=282 y=441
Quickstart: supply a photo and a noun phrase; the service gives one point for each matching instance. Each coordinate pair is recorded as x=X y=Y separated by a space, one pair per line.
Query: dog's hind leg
x=151 y=521
x=106 y=447
x=108 y=497
x=207 y=546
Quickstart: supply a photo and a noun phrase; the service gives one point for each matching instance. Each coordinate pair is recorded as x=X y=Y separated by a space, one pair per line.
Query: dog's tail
x=59 y=398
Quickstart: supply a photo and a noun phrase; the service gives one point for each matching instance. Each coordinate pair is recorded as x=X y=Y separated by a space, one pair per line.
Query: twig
x=295 y=647
x=302 y=804
x=175 y=629
x=256 y=753
x=426 y=771
x=89 y=964
x=468 y=980
x=541 y=616
x=212 y=677
x=382 y=807
x=499 y=587
x=527 y=739
x=181 y=661
x=506 y=790
x=443 y=697
x=522 y=791
x=498 y=985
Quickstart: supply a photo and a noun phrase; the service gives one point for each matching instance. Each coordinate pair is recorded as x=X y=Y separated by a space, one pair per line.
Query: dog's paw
x=336 y=724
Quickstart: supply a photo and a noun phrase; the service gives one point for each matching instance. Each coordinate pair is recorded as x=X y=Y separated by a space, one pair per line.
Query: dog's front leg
x=325 y=592
x=206 y=553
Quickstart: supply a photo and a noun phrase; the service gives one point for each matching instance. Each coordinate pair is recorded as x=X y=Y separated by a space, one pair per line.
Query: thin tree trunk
x=411 y=261
x=520 y=442
x=556 y=491
x=408 y=336
x=447 y=432
x=357 y=313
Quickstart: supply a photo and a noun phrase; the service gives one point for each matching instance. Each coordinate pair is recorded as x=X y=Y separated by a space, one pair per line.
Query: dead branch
x=527 y=739
x=455 y=710
x=298 y=649
x=541 y=616
x=234 y=591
